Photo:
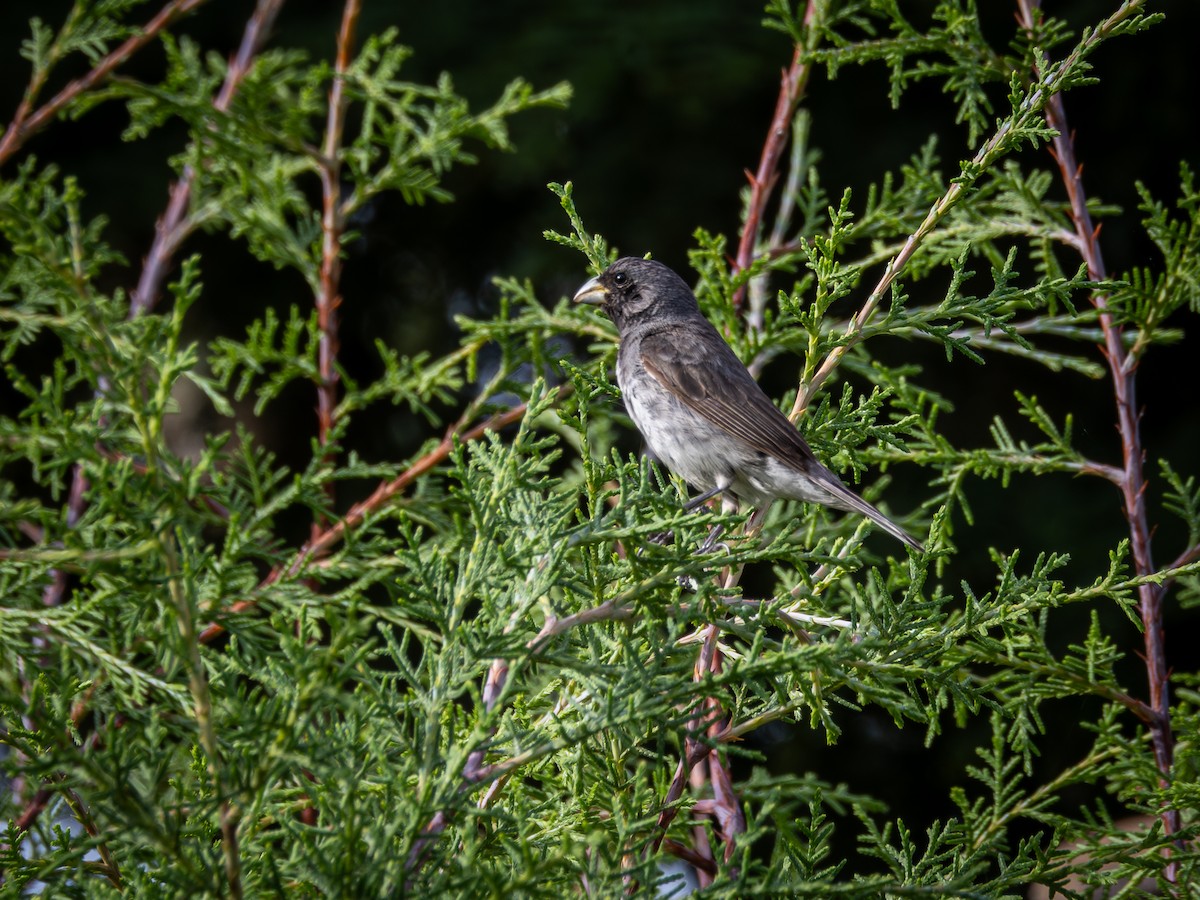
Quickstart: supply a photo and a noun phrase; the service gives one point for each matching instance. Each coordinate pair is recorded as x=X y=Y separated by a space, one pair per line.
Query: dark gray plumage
x=697 y=406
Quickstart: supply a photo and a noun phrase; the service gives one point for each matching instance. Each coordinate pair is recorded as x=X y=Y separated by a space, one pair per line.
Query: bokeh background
x=672 y=101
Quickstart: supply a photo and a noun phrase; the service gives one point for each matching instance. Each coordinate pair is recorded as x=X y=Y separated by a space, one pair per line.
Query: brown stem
x=170 y=230
x=1191 y=554
x=791 y=88
x=328 y=297
x=1123 y=369
x=694 y=752
x=322 y=542
x=724 y=808
x=697 y=860
x=475 y=772
x=1034 y=104
x=708 y=719
x=173 y=226
x=25 y=126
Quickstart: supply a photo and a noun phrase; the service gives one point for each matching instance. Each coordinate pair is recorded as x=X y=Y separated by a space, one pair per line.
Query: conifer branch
x=328 y=297
x=478 y=688
x=1187 y=557
x=203 y=711
x=26 y=123
x=41 y=798
x=323 y=541
x=475 y=772
x=1002 y=140
x=174 y=225
x=1123 y=370
x=792 y=84
x=170 y=231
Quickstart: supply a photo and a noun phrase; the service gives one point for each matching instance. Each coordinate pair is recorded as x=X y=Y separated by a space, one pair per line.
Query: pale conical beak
x=593 y=292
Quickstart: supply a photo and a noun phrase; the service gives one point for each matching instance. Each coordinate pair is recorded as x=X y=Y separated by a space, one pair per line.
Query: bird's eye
x=620 y=279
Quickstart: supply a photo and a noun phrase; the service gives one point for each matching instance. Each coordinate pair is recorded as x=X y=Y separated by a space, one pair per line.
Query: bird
x=698 y=407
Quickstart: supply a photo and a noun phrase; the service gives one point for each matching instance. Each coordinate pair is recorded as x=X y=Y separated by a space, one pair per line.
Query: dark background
x=672 y=101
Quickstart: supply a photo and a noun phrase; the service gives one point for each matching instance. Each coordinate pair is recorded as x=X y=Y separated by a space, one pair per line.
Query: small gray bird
x=697 y=406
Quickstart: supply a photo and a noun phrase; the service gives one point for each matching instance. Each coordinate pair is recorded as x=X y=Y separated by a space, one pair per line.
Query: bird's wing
x=699 y=368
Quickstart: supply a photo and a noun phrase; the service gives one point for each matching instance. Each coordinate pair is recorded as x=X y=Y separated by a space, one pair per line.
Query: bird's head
x=632 y=291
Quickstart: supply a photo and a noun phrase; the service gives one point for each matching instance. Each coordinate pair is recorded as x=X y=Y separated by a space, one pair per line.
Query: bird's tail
x=842 y=497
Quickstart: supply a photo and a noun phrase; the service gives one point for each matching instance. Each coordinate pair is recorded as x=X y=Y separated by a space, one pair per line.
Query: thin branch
x=324 y=541
x=695 y=750
x=174 y=225
x=328 y=297
x=33 y=809
x=25 y=126
x=1190 y=555
x=699 y=861
x=610 y=610
x=228 y=816
x=475 y=771
x=791 y=88
x=1031 y=106
x=1123 y=369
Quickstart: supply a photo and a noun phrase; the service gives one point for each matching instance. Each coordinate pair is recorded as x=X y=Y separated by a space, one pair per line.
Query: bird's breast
x=685 y=442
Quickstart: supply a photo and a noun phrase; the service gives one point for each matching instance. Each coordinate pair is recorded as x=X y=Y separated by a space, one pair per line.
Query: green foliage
x=1151 y=296
x=481 y=679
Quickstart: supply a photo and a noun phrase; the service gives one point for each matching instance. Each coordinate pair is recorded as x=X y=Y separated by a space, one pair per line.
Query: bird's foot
x=711 y=543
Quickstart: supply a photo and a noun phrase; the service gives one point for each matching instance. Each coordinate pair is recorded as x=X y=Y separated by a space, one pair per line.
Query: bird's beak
x=593 y=292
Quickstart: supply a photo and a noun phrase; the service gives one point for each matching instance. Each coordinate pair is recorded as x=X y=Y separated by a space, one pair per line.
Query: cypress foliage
x=504 y=670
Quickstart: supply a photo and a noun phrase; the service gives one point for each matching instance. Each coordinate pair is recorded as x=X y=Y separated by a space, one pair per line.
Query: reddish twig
x=170 y=231
x=694 y=749
x=1191 y=554
x=173 y=226
x=1123 y=369
x=322 y=542
x=33 y=809
x=699 y=861
x=328 y=295
x=791 y=88
x=26 y=123
x=475 y=772
x=328 y=298
x=56 y=589
x=723 y=808
x=991 y=149
x=41 y=798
